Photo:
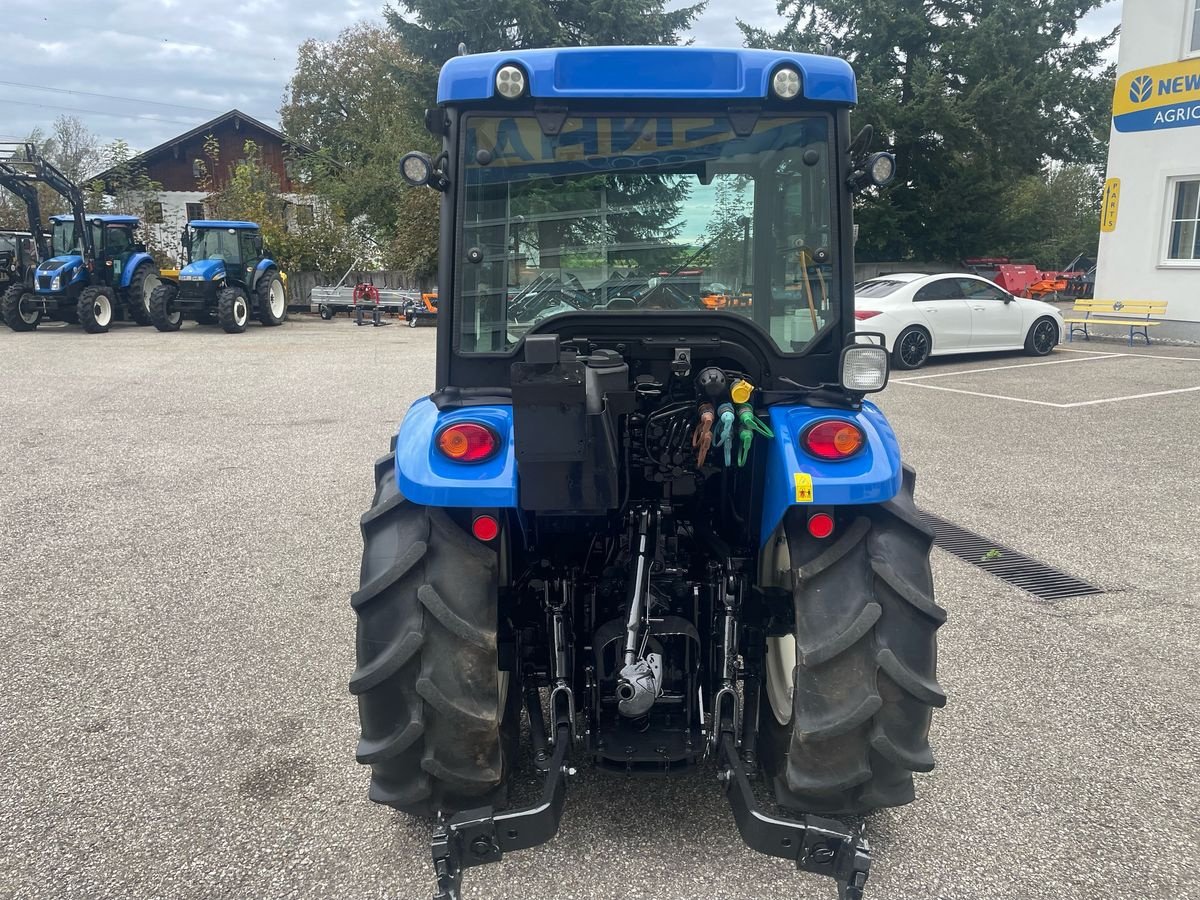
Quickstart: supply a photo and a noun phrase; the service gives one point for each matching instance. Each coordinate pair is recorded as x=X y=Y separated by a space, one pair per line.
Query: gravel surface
x=179 y=539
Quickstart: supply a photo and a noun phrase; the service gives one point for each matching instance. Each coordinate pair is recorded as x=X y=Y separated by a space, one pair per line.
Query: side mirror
x=1009 y=298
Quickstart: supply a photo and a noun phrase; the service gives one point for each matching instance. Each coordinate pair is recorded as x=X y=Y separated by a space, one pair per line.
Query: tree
x=1054 y=216
x=434 y=29
x=352 y=100
x=971 y=95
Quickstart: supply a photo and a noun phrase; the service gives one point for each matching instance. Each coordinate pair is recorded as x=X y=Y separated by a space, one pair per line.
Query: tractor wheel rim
x=1043 y=337
x=240 y=313
x=149 y=283
x=277 y=299
x=780 y=664
x=174 y=316
x=102 y=310
x=28 y=314
x=913 y=348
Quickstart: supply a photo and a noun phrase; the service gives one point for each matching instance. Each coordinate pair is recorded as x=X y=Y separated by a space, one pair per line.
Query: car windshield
x=879 y=288
x=646 y=213
x=215 y=243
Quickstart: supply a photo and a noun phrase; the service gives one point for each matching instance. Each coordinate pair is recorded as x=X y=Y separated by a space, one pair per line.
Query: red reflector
x=820 y=525
x=862 y=314
x=832 y=439
x=485 y=528
x=467 y=442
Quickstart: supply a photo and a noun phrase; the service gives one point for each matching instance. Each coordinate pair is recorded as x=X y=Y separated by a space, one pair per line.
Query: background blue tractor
x=228 y=279
x=97 y=270
x=667 y=529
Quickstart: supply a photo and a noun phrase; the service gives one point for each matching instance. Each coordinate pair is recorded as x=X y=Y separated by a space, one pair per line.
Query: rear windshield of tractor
x=215 y=243
x=645 y=213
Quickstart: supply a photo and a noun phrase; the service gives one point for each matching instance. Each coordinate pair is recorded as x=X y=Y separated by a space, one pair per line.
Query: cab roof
x=681 y=73
x=221 y=223
x=103 y=218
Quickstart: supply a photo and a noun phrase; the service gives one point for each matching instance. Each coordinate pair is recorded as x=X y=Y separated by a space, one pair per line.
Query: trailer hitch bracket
x=476 y=837
x=817 y=845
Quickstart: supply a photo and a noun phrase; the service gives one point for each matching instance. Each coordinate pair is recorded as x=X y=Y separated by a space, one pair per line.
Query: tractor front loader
x=94 y=269
x=666 y=532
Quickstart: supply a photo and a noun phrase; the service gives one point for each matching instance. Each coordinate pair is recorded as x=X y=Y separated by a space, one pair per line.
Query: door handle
x=980 y=308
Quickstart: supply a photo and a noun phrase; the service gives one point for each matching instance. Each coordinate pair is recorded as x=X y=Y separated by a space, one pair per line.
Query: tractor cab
x=648 y=499
x=228 y=278
x=221 y=251
x=112 y=246
x=18 y=258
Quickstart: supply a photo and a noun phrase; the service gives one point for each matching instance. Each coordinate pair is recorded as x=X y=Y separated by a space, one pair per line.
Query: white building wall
x=174 y=215
x=1155 y=144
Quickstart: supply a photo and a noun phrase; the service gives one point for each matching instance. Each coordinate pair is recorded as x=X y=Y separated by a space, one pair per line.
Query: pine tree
x=971 y=95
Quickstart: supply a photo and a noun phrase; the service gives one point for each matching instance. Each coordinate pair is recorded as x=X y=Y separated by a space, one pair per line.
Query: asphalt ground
x=179 y=539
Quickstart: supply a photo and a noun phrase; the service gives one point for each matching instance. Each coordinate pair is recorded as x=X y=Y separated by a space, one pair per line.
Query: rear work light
x=468 y=442
x=832 y=439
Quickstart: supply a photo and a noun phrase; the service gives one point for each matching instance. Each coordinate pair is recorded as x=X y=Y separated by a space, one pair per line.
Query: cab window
x=117 y=240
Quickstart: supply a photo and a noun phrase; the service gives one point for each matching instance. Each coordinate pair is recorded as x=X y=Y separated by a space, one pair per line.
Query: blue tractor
x=667 y=530
x=97 y=269
x=228 y=279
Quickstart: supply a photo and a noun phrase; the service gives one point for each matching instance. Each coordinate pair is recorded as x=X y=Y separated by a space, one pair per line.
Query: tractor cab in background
x=18 y=258
x=229 y=278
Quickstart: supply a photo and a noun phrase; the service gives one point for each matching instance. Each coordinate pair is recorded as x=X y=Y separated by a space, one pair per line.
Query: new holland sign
x=1157 y=98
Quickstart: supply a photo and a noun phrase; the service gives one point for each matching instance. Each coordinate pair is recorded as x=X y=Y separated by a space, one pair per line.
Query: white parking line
x=1057 y=362
x=934 y=387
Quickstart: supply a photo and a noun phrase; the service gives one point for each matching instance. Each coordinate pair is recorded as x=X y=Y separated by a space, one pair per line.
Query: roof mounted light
x=786 y=83
x=510 y=82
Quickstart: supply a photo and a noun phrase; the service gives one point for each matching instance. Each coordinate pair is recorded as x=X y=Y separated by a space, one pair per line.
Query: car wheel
x=912 y=348
x=1042 y=337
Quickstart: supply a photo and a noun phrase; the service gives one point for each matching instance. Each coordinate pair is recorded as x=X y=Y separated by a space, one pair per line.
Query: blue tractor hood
x=60 y=265
x=202 y=269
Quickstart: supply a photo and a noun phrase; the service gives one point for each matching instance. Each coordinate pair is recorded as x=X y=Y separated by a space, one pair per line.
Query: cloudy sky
x=146 y=70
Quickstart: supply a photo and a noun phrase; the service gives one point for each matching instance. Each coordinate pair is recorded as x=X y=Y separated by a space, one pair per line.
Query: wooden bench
x=1137 y=315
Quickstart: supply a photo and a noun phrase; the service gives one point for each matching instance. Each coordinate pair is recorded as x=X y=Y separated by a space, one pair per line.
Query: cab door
x=942 y=305
x=995 y=316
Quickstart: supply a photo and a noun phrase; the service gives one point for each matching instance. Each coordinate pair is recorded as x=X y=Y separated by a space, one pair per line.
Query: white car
x=929 y=315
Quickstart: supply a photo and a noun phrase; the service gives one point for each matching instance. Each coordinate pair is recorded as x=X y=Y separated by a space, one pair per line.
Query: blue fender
x=131 y=266
x=263 y=266
x=426 y=477
x=872 y=476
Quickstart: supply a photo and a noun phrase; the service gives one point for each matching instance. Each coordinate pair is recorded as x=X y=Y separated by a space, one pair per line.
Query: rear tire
x=16 y=315
x=163 y=314
x=434 y=729
x=1042 y=337
x=864 y=683
x=912 y=348
x=272 y=300
x=233 y=310
x=96 y=308
x=137 y=295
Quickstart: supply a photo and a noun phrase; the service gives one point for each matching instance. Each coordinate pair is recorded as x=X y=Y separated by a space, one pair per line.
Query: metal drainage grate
x=1008 y=565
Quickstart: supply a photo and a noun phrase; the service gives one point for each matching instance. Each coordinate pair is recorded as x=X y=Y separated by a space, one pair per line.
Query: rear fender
x=426 y=477
x=131 y=266
x=872 y=476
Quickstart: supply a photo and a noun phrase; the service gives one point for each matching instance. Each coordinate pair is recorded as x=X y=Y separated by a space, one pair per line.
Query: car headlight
x=864 y=368
x=56 y=283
